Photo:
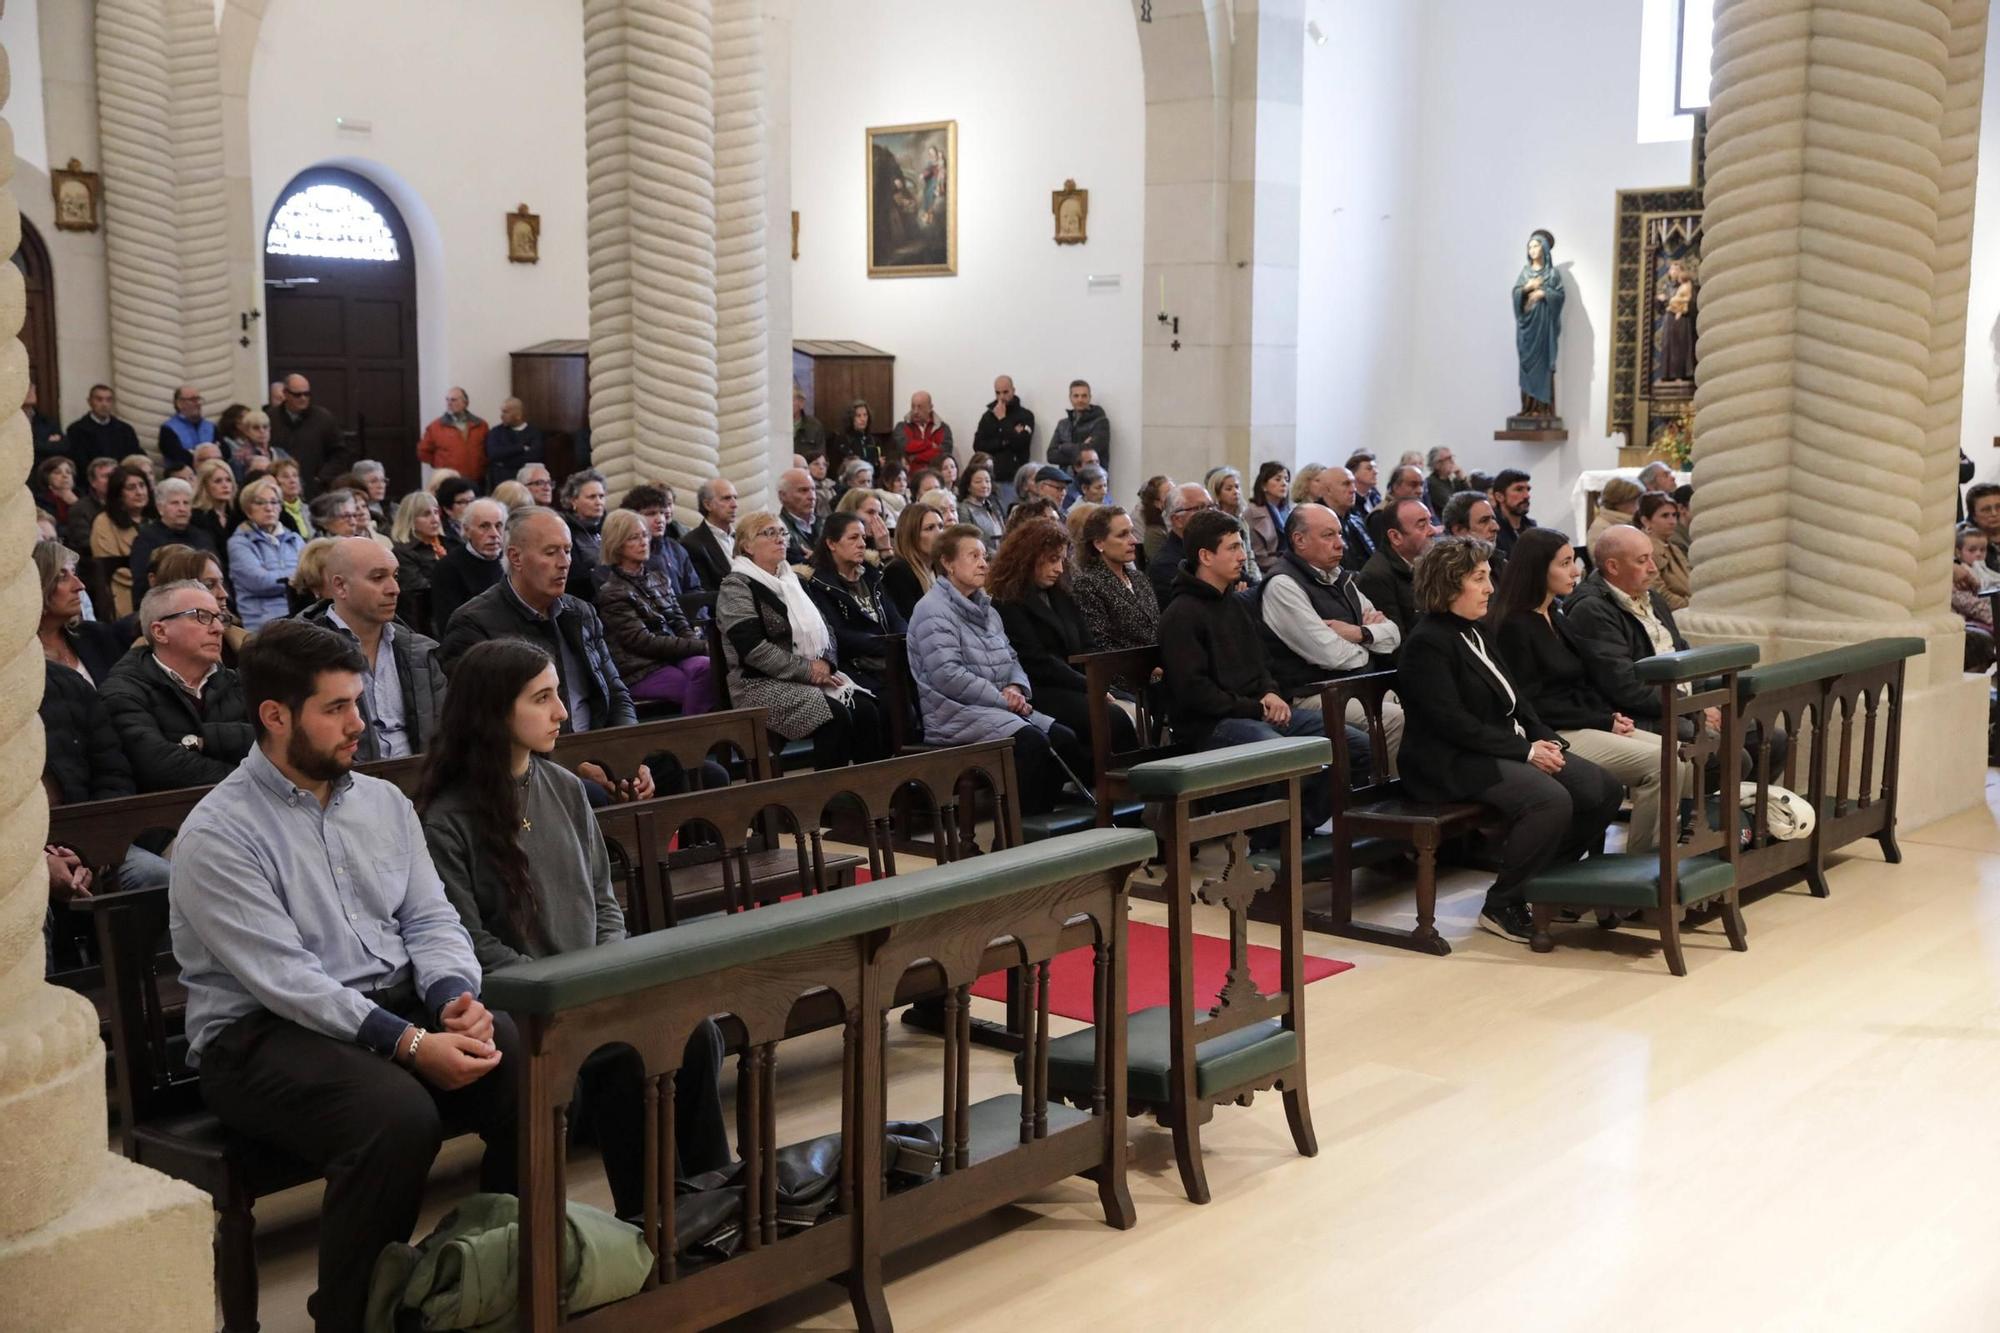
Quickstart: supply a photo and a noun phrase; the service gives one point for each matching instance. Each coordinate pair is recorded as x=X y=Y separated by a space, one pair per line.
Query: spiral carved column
x=650 y=135
x=86 y=1238
x=1842 y=145
x=742 y=323
x=159 y=96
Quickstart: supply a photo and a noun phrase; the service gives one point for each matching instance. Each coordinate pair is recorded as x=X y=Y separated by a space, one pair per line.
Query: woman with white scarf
x=781 y=655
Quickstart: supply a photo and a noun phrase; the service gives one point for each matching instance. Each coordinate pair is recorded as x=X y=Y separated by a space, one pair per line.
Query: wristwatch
x=190 y=742
x=1367 y=637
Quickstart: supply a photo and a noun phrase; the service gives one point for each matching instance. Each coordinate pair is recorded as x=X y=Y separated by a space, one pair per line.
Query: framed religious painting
x=912 y=190
x=524 y=236
x=77 y=193
x=1071 y=207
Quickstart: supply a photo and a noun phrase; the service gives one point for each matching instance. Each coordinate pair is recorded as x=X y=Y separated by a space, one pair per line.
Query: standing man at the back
x=1083 y=425
x=512 y=445
x=99 y=433
x=309 y=434
x=456 y=440
x=1006 y=432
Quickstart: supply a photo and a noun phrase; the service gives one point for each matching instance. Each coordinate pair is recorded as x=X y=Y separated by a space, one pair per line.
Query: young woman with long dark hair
x=1526 y=616
x=522 y=859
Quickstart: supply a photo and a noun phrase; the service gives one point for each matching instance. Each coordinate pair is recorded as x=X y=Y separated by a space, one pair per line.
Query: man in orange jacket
x=456 y=440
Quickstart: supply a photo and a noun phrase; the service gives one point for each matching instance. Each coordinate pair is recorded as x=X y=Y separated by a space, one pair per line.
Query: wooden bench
x=1109 y=765
x=943 y=926
x=1821 y=701
x=1198 y=1052
x=1368 y=820
x=1696 y=862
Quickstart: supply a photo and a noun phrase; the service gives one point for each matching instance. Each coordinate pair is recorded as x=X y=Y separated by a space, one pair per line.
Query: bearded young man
x=333 y=994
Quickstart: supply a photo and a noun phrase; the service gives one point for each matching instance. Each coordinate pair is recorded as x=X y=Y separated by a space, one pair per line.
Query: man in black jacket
x=179 y=711
x=712 y=544
x=1334 y=488
x=1006 y=432
x=512 y=444
x=85 y=761
x=1219 y=685
x=1183 y=503
x=1512 y=491
x=98 y=433
x=530 y=604
x=310 y=434
x=1618 y=621
x=1406 y=534
x=473 y=566
x=1084 y=425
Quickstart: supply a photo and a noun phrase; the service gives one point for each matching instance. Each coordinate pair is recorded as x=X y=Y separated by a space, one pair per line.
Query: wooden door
x=38 y=329
x=341 y=309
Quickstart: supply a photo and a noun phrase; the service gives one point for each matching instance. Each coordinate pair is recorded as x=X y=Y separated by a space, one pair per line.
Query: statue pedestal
x=1535 y=430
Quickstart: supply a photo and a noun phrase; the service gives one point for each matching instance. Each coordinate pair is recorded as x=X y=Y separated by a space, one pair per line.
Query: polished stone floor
x=1792 y=1138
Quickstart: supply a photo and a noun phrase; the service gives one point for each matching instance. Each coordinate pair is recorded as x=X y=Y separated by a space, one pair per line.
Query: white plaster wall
x=1522 y=121
x=476 y=107
x=1357 y=195
x=1055 y=92
x=20 y=35
x=1981 y=422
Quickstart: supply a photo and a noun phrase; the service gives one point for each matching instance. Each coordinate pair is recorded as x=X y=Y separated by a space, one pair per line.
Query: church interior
x=1084 y=701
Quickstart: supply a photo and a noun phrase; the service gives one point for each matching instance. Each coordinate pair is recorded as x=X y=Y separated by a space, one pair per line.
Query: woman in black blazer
x=1029 y=586
x=1470 y=734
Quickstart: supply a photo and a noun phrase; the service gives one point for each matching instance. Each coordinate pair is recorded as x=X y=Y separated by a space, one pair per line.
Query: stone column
x=742 y=353
x=159 y=103
x=86 y=1238
x=1842 y=143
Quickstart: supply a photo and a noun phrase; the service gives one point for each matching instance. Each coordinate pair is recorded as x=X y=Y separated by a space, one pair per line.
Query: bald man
x=923 y=434
x=512 y=444
x=310 y=434
x=402 y=694
x=186 y=428
x=798 y=511
x=1006 y=431
x=1618 y=621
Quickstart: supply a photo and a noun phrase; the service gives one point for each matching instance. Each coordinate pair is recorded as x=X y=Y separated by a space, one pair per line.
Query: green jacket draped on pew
x=462 y=1276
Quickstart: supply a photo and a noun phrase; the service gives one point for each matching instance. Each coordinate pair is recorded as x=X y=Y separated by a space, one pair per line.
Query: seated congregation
x=1282 y=665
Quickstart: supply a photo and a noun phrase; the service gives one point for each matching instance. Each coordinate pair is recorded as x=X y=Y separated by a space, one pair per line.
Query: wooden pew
x=1108 y=765
x=1198 y=1052
x=944 y=926
x=1369 y=817
x=1822 y=701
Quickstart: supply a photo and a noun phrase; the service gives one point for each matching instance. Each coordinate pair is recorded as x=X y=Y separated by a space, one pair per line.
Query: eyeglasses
x=298 y=393
x=779 y=533
x=201 y=616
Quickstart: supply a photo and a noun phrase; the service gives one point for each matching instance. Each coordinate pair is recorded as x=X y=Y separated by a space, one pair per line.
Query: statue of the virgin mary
x=1538 y=303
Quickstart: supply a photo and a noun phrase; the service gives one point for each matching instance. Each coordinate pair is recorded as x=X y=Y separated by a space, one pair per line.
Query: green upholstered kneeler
x=1228 y=1061
x=1626 y=880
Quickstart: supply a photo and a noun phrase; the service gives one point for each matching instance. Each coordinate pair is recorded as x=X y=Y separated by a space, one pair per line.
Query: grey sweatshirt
x=567 y=867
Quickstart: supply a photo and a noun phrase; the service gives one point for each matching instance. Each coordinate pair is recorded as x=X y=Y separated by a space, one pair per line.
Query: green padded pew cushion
x=567 y=981
x=1246 y=1055
x=1231 y=766
x=1628 y=880
x=1075 y=819
x=1818 y=666
x=1694 y=663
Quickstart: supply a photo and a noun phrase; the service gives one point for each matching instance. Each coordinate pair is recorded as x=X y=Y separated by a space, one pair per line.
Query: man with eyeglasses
x=178 y=710
x=1183 y=503
x=186 y=428
x=309 y=433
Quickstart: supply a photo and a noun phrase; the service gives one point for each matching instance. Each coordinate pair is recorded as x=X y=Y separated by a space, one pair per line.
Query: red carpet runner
x=1146 y=972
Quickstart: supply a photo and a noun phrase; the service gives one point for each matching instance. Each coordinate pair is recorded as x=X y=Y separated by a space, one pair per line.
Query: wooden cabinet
x=834 y=373
x=552 y=380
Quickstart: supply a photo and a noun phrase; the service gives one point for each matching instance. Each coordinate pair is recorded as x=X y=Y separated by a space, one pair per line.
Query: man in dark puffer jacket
x=178 y=710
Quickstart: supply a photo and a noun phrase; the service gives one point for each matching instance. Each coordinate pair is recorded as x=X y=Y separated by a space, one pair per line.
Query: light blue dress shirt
x=279 y=905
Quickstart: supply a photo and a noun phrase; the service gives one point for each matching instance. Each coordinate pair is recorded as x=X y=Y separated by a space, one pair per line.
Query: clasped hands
x=463 y=1052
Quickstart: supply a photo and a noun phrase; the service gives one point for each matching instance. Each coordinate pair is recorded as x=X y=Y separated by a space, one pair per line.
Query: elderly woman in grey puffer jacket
x=970 y=683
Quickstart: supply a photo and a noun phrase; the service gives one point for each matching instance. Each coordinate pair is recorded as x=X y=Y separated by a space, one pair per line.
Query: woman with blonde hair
x=908 y=577
x=866 y=504
x=513 y=495
x=309 y=579
x=655 y=646
x=418 y=537
x=1617 y=503
x=214 y=501
x=781 y=654
x=263 y=554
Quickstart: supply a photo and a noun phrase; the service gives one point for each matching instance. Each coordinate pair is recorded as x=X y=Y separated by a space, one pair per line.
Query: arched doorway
x=38 y=328
x=341 y=309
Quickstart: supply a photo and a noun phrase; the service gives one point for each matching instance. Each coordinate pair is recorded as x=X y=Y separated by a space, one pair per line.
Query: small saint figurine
x=1538 y=303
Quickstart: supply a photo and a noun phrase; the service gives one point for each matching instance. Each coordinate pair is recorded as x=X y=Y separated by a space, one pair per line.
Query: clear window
x=1674 y=54
x=331 y=222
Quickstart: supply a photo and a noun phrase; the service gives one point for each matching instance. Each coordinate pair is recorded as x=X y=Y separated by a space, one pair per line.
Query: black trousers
x=372 y=1125
x=1550 y=818
x=1072 y=709
x=855 y=734
x=1035 y=768
x=613 y=1081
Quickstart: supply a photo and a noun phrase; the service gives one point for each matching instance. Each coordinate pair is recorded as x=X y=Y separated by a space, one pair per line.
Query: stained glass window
x=330 y=221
